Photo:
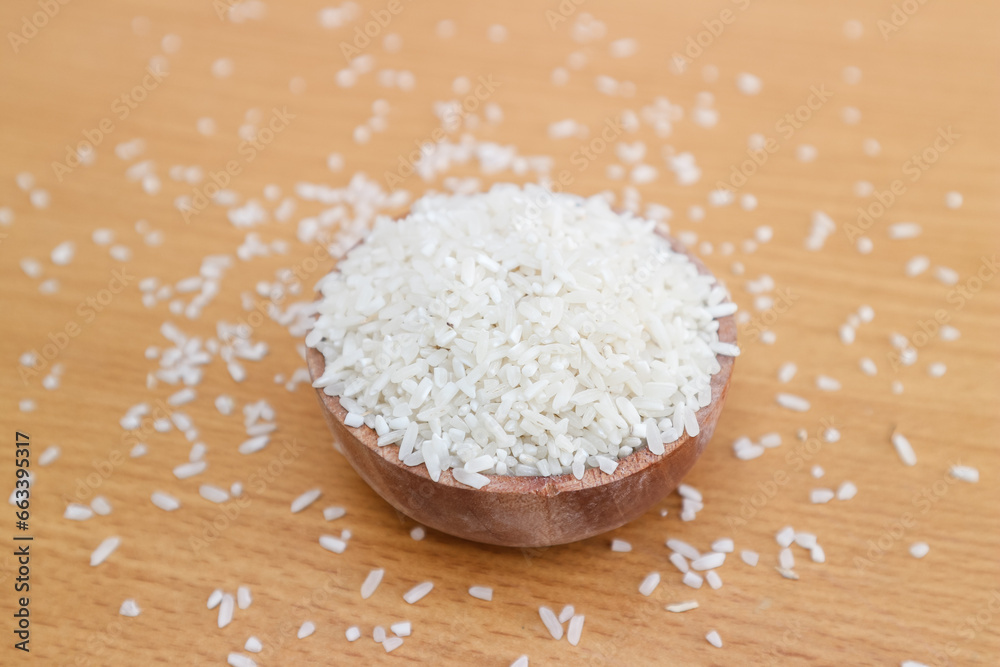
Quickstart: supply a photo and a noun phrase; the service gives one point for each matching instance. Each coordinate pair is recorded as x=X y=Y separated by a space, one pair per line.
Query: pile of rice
x=519 y=332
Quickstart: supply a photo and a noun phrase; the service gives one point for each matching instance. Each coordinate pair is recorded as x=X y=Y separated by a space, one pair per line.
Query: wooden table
x=923 y=76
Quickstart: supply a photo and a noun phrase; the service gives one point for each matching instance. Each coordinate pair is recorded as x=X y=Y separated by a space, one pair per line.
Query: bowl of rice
x=520 y=367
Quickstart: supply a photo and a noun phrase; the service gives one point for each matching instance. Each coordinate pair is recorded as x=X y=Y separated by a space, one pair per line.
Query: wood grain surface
x=927 y=94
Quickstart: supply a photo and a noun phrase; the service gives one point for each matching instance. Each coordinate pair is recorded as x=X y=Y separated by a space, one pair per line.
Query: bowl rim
x=636 y=462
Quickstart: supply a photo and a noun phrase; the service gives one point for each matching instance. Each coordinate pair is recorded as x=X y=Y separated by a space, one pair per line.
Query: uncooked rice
x=371 y=583
x=649 y=584
x=305 y=500
x=566 y=613
x=481 y=592
x=620 y=546
x=575 y=629
x=904 y=449
x=519 y=332
x=709 y=561
x=418 y=592
x=243 y=597
x=691 y=579
x=551 y=622
x=226 y=610
x=103 y=550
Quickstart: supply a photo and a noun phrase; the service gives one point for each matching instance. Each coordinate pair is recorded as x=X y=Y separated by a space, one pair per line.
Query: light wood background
x=938 y=70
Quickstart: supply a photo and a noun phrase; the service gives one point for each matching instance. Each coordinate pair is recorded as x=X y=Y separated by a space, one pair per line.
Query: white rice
x=723 y=545
x=846 y=333
x=253 y=645
x=190 y=469
x=240 y=660
x=481 y=592
x=946 y=275
x=165 y=501
x=551 y=622
x=917 y=265
x=185 y=395
x=805 y=540
x=679 y=562
x=213 y=493
x=748 y=451
x=821 y=496
x=522 y=661
x=681 y=607
x=473 y=479
x=371 y=583
x=770 y=440
x=786 y=558
x=334 y=512
x=78 y=512
x=649 y=584
x=306 y=629
x=919 y=549
x=714 y=639
x=949 y=333
x=417 y=592
x=691 y=579
x=103 y=550
x=226 y=607
x=620 y=546
x=786 y=372
x=418 y=533
x=331 y=543
x=792 y=402
x=785 y=536
x=713 y=579
x=401 y=629
x=129 y=608
x=904 y=230
x=709 y=561
x=688 y=491
x=965 y=473
x=353 y=633
x=750 y=557
x=254 y=444
x=392 y=643
x=559 y=331
x=63 y=253
x=827 y=383
x=575 y=629
x=566 y=613
x=243 y=597
x=846 y=490
x=214 y=598
x=904 y=449
x=305 y=500
x=683 y=548
x=49 y=455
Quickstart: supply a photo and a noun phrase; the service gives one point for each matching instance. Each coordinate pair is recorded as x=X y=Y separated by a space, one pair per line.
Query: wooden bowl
x=528 y=511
